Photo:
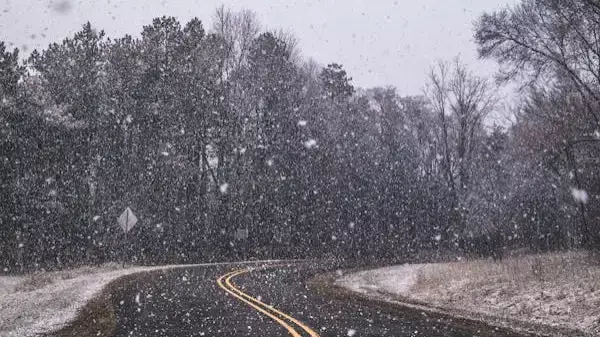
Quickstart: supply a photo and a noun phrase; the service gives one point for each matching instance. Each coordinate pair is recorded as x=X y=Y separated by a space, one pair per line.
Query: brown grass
x=559 y=289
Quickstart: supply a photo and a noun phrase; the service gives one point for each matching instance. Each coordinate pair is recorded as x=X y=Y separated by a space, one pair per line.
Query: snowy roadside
x=559 y=291
x=44 y=302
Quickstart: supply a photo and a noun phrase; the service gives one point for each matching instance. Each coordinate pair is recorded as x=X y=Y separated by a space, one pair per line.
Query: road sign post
x=126 y=221
x=241 y=234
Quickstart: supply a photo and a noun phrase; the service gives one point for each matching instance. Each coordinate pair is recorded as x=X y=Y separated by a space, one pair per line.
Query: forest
x=209 y=130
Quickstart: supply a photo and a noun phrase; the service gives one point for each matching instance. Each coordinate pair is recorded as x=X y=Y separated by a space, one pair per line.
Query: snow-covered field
x=43 y=302
x=561 y=291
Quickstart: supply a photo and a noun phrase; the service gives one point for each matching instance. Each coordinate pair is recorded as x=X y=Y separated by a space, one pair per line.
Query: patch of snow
x=395 y=279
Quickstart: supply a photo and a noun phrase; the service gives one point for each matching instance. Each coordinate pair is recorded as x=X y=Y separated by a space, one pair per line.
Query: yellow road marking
x=292 y=331
x=256 y=304
x=310 y=331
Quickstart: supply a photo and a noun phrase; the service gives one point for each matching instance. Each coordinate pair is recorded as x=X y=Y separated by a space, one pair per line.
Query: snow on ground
x=557 y=290
x=43 y=302
x=394 y=280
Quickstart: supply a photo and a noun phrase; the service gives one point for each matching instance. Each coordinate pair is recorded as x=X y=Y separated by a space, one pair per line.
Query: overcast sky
x=380 y=42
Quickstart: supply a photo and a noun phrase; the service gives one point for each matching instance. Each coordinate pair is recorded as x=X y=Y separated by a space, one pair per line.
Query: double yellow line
x=283 y=319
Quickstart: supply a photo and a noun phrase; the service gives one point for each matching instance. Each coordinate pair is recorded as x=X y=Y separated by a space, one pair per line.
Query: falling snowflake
x=580 y=196
x=351 y=225
x=310 y=143
x=438 y=237
x=302 y=123
x=96 y=218
x=223 y=188
x=164 y=153
x=270 y=162
x=351 y=332
x=62 y=7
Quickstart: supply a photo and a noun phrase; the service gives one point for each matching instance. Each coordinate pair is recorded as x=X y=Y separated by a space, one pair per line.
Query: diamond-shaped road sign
x=241 y=234
x=127 y=220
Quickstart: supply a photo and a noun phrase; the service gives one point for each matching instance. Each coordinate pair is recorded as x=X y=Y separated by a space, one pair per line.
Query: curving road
x=253 y=300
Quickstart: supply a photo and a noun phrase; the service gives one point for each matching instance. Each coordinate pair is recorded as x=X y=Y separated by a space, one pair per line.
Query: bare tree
x=460 y=100
x=291 y=42
x=238 y=30
x=537 y=38
x=558 y=41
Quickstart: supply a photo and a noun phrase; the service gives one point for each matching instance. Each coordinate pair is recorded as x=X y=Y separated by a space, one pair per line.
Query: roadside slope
x=40 y=303
x=555 y=294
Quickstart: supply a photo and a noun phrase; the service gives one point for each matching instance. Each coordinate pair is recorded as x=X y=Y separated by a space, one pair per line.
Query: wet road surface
x=199 y=302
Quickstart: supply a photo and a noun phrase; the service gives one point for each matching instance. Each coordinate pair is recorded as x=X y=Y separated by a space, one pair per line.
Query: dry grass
x=560 y=289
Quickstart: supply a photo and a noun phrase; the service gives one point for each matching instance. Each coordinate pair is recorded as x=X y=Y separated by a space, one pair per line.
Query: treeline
x=208 y=133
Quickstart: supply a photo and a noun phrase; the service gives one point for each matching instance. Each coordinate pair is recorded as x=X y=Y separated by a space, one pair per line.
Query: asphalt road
x=230 y=300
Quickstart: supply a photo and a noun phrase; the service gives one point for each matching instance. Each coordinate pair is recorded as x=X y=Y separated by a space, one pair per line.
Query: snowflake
x=223 y=188
x=580 y=196
x=310 y=143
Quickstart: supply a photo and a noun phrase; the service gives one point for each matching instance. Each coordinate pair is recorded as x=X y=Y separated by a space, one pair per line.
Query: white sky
x=379 y=42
